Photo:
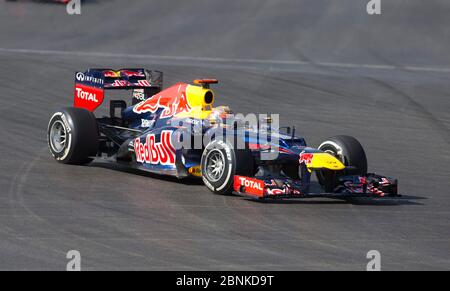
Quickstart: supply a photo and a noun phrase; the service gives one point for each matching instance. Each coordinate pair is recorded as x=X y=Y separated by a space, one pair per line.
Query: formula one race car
x=179 y=132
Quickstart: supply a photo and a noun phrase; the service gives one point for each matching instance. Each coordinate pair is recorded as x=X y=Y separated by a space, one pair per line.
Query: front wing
x=370 y=185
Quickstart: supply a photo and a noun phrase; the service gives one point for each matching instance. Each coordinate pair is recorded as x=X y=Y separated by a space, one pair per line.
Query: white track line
x=223 y=60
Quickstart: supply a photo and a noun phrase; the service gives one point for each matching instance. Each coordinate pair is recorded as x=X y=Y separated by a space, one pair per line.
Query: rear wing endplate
x=90 y=86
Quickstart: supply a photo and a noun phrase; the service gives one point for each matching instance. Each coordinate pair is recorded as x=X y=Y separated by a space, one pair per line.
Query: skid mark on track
x=434 y=122
x=17 y=201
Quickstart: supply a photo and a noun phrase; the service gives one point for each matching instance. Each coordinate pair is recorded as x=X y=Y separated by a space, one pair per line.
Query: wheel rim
x=321 y=175
x=215 y=165
x=58 y=136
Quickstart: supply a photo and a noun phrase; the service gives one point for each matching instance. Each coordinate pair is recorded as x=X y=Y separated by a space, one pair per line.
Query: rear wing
x=90 y=86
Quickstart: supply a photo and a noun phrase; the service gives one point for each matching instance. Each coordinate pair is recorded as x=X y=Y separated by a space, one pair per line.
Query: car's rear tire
x=72 y=136
x=350 y=152
x=221 y=162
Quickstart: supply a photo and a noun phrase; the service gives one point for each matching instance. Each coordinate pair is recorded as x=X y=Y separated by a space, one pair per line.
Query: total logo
x=251 y=186
x=250 y=183
x=88 y=96
x=155 y=153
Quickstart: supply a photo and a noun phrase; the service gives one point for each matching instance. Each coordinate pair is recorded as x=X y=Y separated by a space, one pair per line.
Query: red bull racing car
x=180 y=132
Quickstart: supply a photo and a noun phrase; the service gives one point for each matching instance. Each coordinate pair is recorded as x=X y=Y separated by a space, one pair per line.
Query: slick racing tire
x=72 y=136
x=350 y=152
x=220 y=162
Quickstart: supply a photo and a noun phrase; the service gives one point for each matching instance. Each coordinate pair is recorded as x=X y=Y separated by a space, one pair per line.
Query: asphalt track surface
x=325 y=66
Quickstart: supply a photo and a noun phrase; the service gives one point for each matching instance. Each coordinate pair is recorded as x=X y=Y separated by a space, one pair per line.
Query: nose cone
x=321 y=161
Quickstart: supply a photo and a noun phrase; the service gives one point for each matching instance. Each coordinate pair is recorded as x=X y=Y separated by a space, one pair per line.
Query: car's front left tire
x=221 y=162
x=72 y=136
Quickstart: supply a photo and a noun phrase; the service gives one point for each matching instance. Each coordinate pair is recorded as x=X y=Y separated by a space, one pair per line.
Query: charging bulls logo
x=173 y=100
x=152 y=152
x=306 y=158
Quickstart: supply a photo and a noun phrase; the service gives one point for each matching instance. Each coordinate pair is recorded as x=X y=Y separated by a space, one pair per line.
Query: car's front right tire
x=72 y=136
x=350 y=152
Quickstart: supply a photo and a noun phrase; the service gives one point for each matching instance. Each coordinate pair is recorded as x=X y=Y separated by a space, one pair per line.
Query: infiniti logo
x=80 y=76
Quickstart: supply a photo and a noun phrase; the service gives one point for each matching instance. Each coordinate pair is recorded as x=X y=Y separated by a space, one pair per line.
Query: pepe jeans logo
x=74 y=7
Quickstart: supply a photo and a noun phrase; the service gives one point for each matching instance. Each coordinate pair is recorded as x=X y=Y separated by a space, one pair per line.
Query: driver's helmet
x=219 y=114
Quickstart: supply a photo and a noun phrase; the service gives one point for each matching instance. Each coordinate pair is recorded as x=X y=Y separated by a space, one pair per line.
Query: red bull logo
x=306 y=158
x=151 y=152
x=126 y=73
x=137 y=73
x=173 y=100
x=111 y=74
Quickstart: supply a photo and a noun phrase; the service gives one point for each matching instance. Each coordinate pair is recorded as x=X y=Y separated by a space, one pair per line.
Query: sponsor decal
x=111 y=74
x=288 y=189
x=88 y=97
x=255 y=146
x=66 y=123
x=251 y=186
x=384 y=181
x=276 y=191
x=82 y=77
x=306 y=158
x=362 y=180
x=152 y=152
x=137 y=73
x=147 y=123
x=173 y=100
x=195 y=171
x=88 y=90
x=139 y=94
x=227 y=149
x=119 y=83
